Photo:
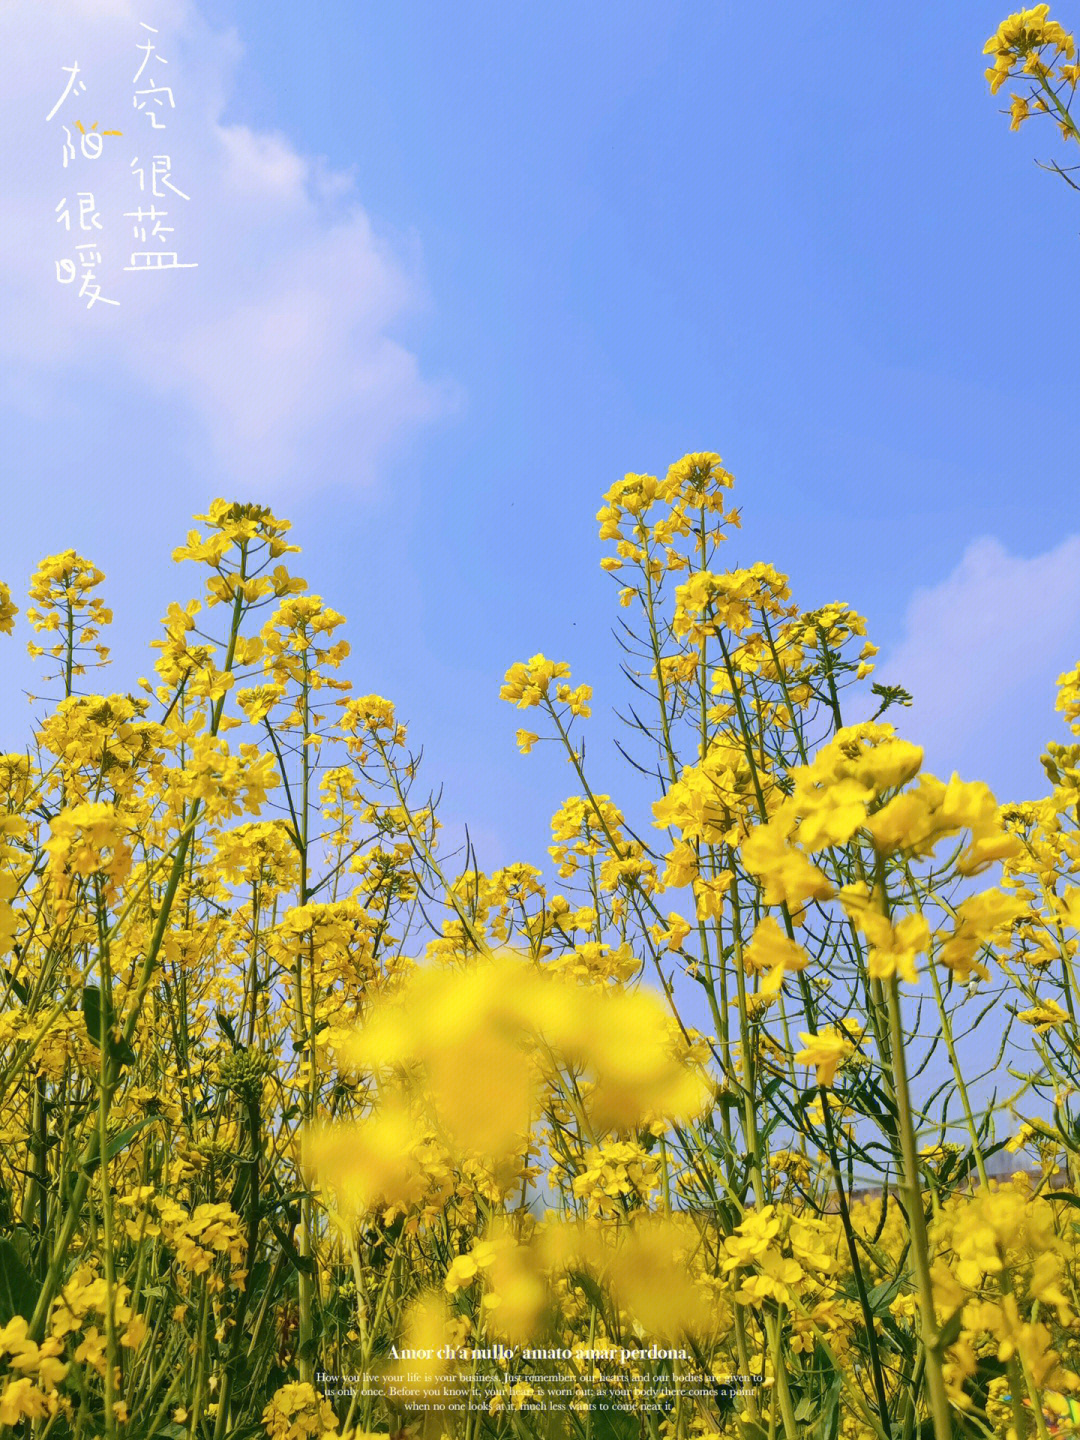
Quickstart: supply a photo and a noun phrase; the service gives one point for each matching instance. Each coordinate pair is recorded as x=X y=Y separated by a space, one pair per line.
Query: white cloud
x=980 y=654
x=281 y=342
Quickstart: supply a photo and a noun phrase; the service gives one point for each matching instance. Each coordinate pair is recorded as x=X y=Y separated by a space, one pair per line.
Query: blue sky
x=461 y=267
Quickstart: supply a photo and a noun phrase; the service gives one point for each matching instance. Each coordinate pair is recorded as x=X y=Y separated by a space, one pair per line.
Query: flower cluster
x=287 y=1092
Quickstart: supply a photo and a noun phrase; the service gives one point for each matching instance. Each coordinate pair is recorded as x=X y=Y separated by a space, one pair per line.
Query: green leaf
x=260 y=1275
x=284 y=1201
x=18 y=1289
x=303 y=1263
x=1066 y=1196
x=593 y=1293
x=227 y=1029
x=20 y=1241
x=751 y=1430
x=882 y=1296
x=951 y=1329
x=828 y=1425
x=17 y=986
x=124 y=1139
x=93 y=1009
x=120 y=1142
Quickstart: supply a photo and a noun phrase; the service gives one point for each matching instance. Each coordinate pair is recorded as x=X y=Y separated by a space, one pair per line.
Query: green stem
x=940 y=1409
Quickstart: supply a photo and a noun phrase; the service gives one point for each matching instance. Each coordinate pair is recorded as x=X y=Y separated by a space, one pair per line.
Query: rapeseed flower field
x=312 y=1127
